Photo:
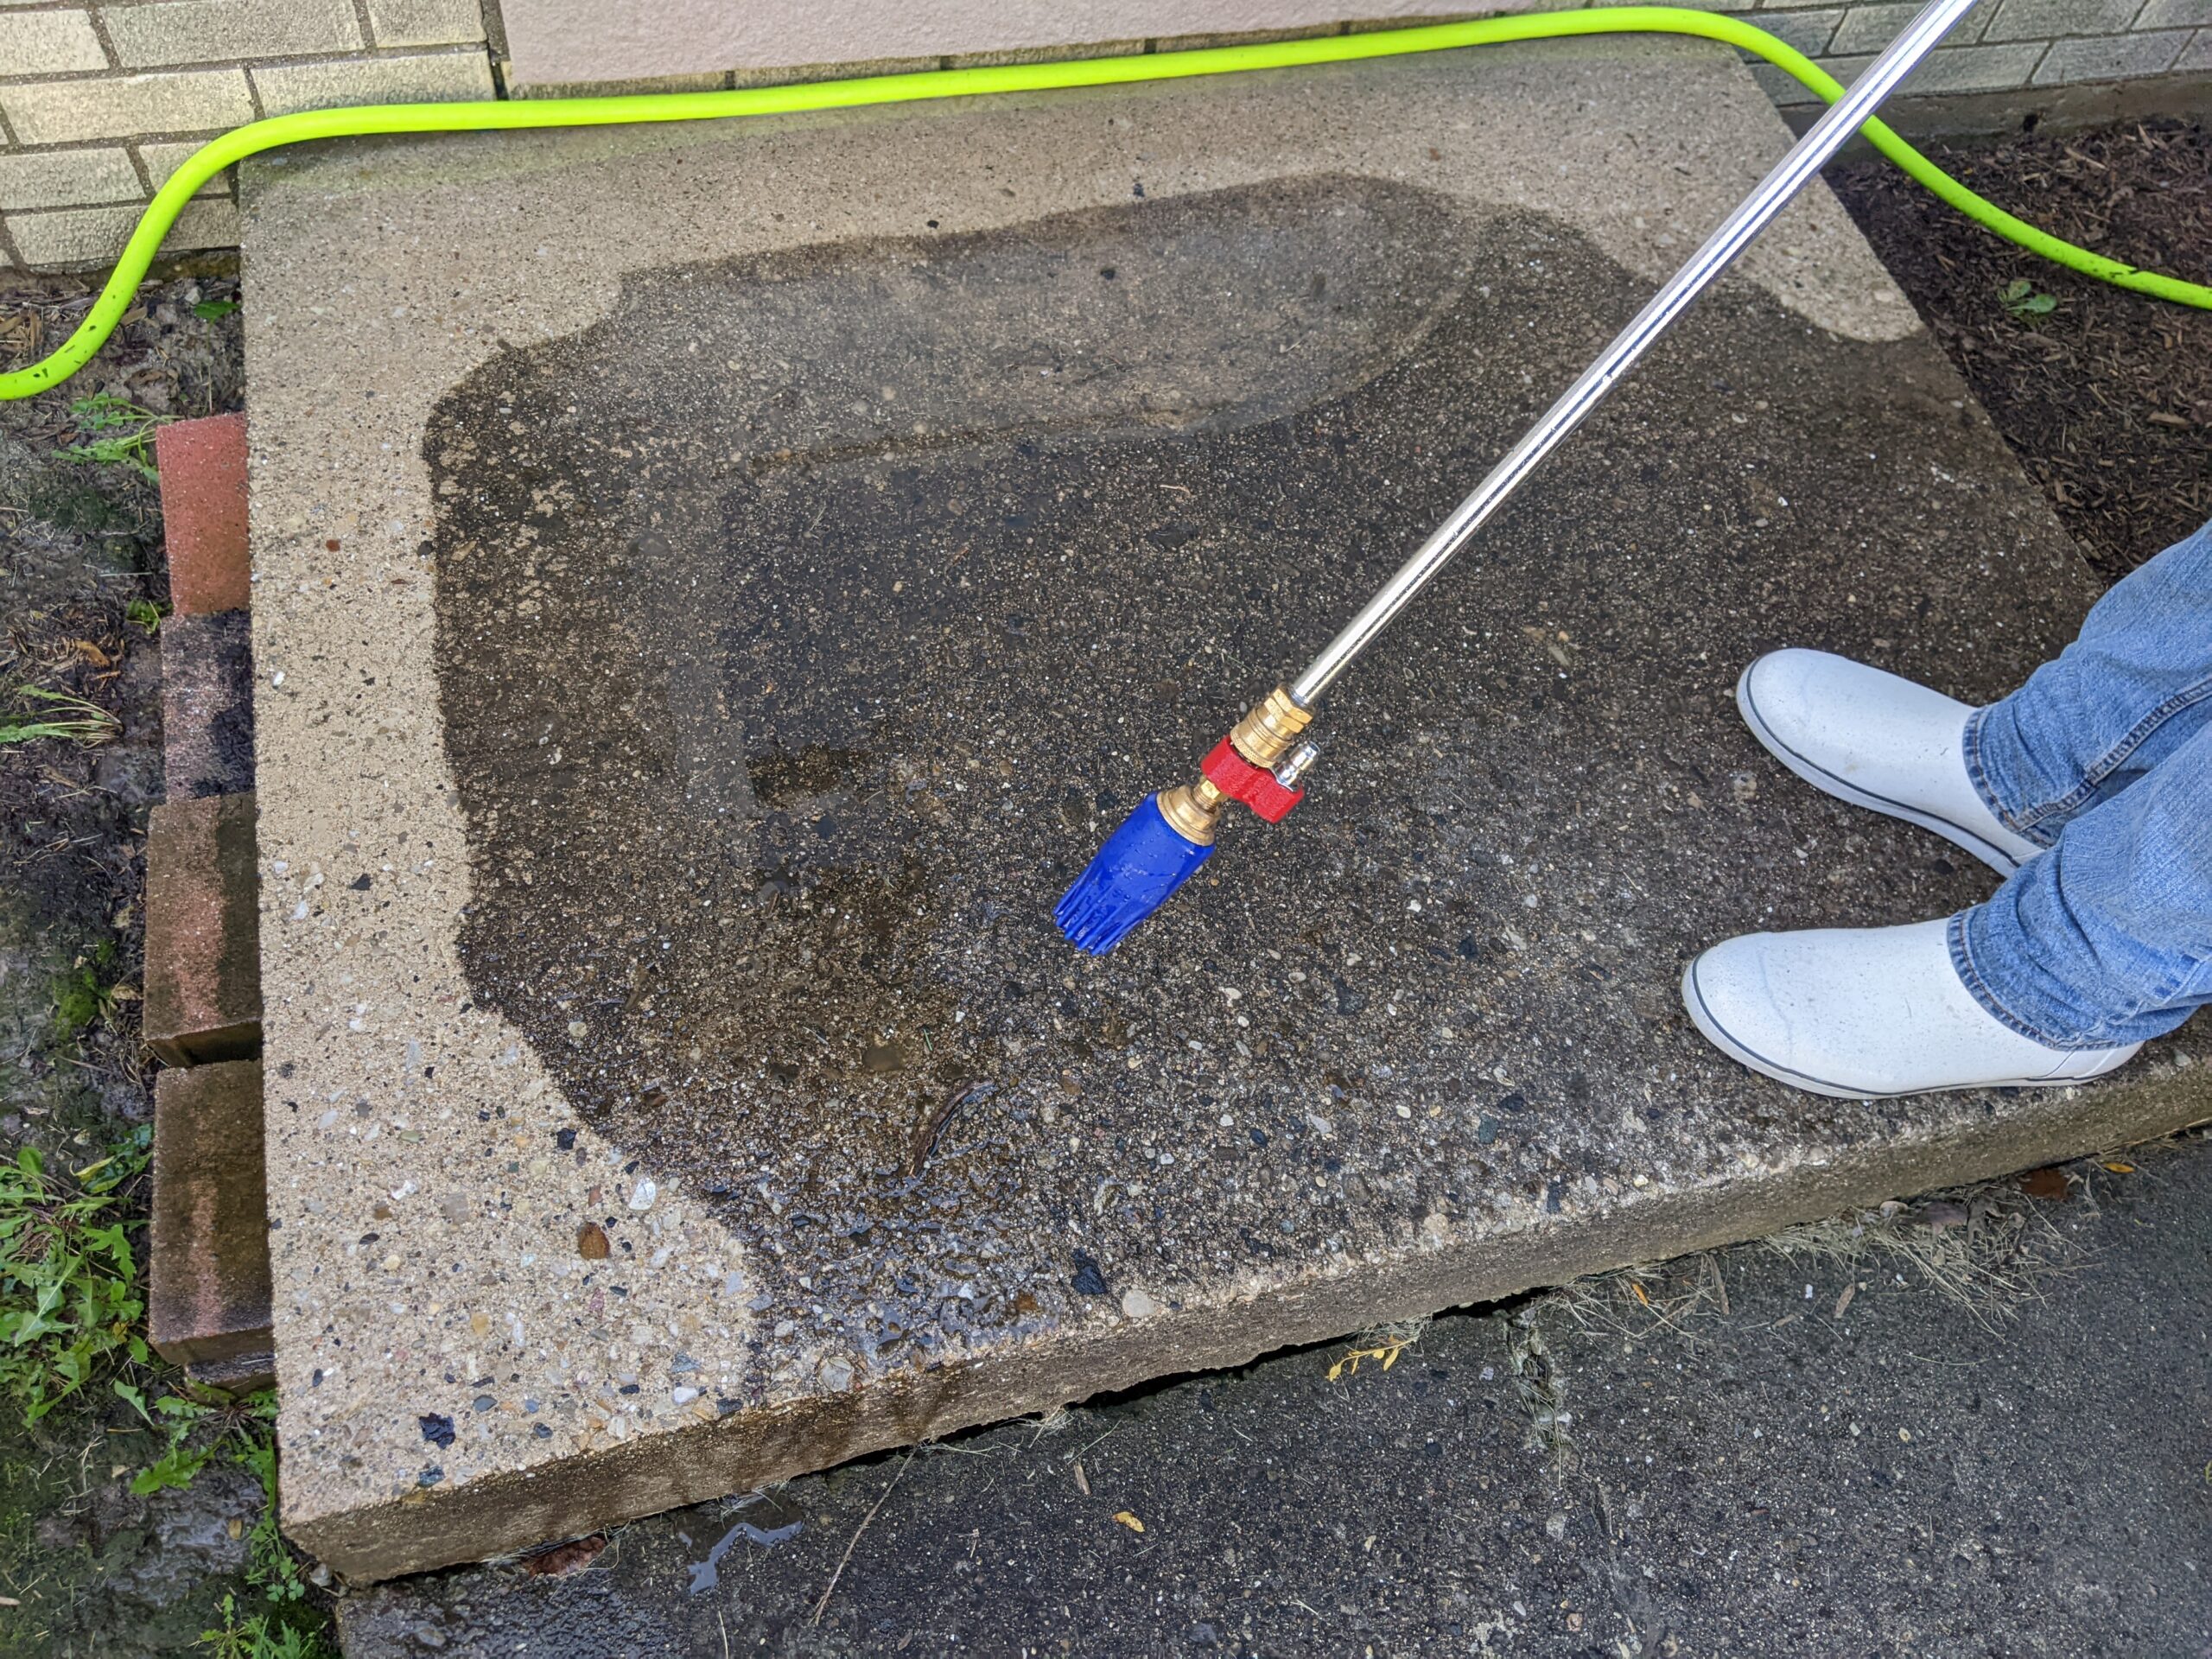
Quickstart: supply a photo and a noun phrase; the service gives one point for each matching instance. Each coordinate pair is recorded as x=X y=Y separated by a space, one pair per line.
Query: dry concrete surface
x=715 y=588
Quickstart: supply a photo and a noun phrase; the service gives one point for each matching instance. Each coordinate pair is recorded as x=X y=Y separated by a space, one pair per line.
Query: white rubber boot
x=1877 y=741
x=1863 y=1012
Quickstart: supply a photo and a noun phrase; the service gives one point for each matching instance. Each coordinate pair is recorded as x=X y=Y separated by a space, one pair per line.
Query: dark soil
x=80 y=546
x=91 y=1567
x=2108 y=397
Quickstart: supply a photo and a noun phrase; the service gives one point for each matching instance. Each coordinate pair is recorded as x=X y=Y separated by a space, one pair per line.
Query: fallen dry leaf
x=1349 y=1365
x=1082 y=1481
x=2122 y=1169
x=2049 y=1184
x=1129 y=1521
x=1844 y=1301
x=564 y=1559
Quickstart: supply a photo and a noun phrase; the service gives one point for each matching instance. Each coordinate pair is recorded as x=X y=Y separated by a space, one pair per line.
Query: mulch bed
x=2107 y=396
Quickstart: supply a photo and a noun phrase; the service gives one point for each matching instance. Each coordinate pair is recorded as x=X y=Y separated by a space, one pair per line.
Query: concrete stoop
x=715 y=588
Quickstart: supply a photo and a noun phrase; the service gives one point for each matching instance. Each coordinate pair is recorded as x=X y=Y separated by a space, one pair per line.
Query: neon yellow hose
x=233 y=146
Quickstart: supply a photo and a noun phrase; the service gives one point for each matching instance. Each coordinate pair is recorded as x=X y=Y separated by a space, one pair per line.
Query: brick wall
x=99 y=104
x=2003 y=46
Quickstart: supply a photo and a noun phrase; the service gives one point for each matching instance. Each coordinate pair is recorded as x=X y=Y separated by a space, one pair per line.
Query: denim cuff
x=2139 y=1023
x=1962 y=962
x=1985 y=763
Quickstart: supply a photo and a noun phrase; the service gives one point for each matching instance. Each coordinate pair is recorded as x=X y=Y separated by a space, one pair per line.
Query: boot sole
x=1715 y=1033
x=1828 y=784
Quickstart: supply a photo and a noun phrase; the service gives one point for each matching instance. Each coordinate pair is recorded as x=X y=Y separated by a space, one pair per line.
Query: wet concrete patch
x=694 y=700
x=781 y=720
x=778 y=723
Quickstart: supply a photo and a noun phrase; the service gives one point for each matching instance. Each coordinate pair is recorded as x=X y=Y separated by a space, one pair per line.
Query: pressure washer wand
x=1162 y=843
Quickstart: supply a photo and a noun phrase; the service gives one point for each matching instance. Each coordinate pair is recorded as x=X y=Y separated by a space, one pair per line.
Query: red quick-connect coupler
x=1258 y=788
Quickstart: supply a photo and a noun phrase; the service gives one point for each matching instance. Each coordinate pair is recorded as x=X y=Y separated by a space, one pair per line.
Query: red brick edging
x=207 y=1295
x=202 y=464
x=208 y=1268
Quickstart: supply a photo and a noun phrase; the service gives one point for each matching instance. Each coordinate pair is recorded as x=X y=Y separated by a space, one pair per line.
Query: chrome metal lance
x=1791 y=174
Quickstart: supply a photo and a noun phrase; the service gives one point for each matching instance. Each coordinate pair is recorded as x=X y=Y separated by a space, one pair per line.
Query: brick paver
x=203 y=969
x=207 y=1301
x=203 y=506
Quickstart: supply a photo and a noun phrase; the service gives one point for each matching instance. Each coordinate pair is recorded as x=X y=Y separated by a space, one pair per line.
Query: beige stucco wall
x=2003 y=45
x=554 y=40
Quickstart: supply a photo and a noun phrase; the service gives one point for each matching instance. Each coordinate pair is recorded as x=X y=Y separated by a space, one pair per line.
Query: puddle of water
x=706 y=1574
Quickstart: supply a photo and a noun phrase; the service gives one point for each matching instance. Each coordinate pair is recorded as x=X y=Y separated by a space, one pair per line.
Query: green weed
x=261 y=1635
x=113 y=430
x=69 y=1299
x=2024 y=304
x=72 y=1314
x=175 y=1417
x=78 y=996
x=146 y=612
x=269 y=1562
x=209 y=310
x=58 y=714
x=286 y=1629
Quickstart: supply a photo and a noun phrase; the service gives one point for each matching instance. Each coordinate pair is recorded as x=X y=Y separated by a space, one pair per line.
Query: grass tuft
x=113 y=431
x=58 y=714
x=260 y=1636
x=1988 y=1248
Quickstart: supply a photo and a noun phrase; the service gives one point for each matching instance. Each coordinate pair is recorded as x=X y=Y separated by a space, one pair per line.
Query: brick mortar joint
x=87 y=146
x=107 y=43
x=261 y=60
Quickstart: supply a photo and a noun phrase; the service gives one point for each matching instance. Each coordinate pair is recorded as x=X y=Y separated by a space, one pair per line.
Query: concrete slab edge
x=501 y=1515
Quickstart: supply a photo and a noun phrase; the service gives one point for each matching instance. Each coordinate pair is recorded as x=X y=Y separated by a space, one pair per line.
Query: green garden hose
x=241 y=142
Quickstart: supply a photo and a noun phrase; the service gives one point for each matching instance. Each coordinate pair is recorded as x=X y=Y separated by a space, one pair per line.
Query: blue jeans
x=2105 y=758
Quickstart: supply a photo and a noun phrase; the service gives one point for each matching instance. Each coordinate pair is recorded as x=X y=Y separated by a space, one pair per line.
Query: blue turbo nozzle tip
x=1142 y=863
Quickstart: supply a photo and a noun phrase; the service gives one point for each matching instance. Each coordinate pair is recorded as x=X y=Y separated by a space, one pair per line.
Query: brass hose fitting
x=1266 y=734
x=1192 y=810
x=1262 y=738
